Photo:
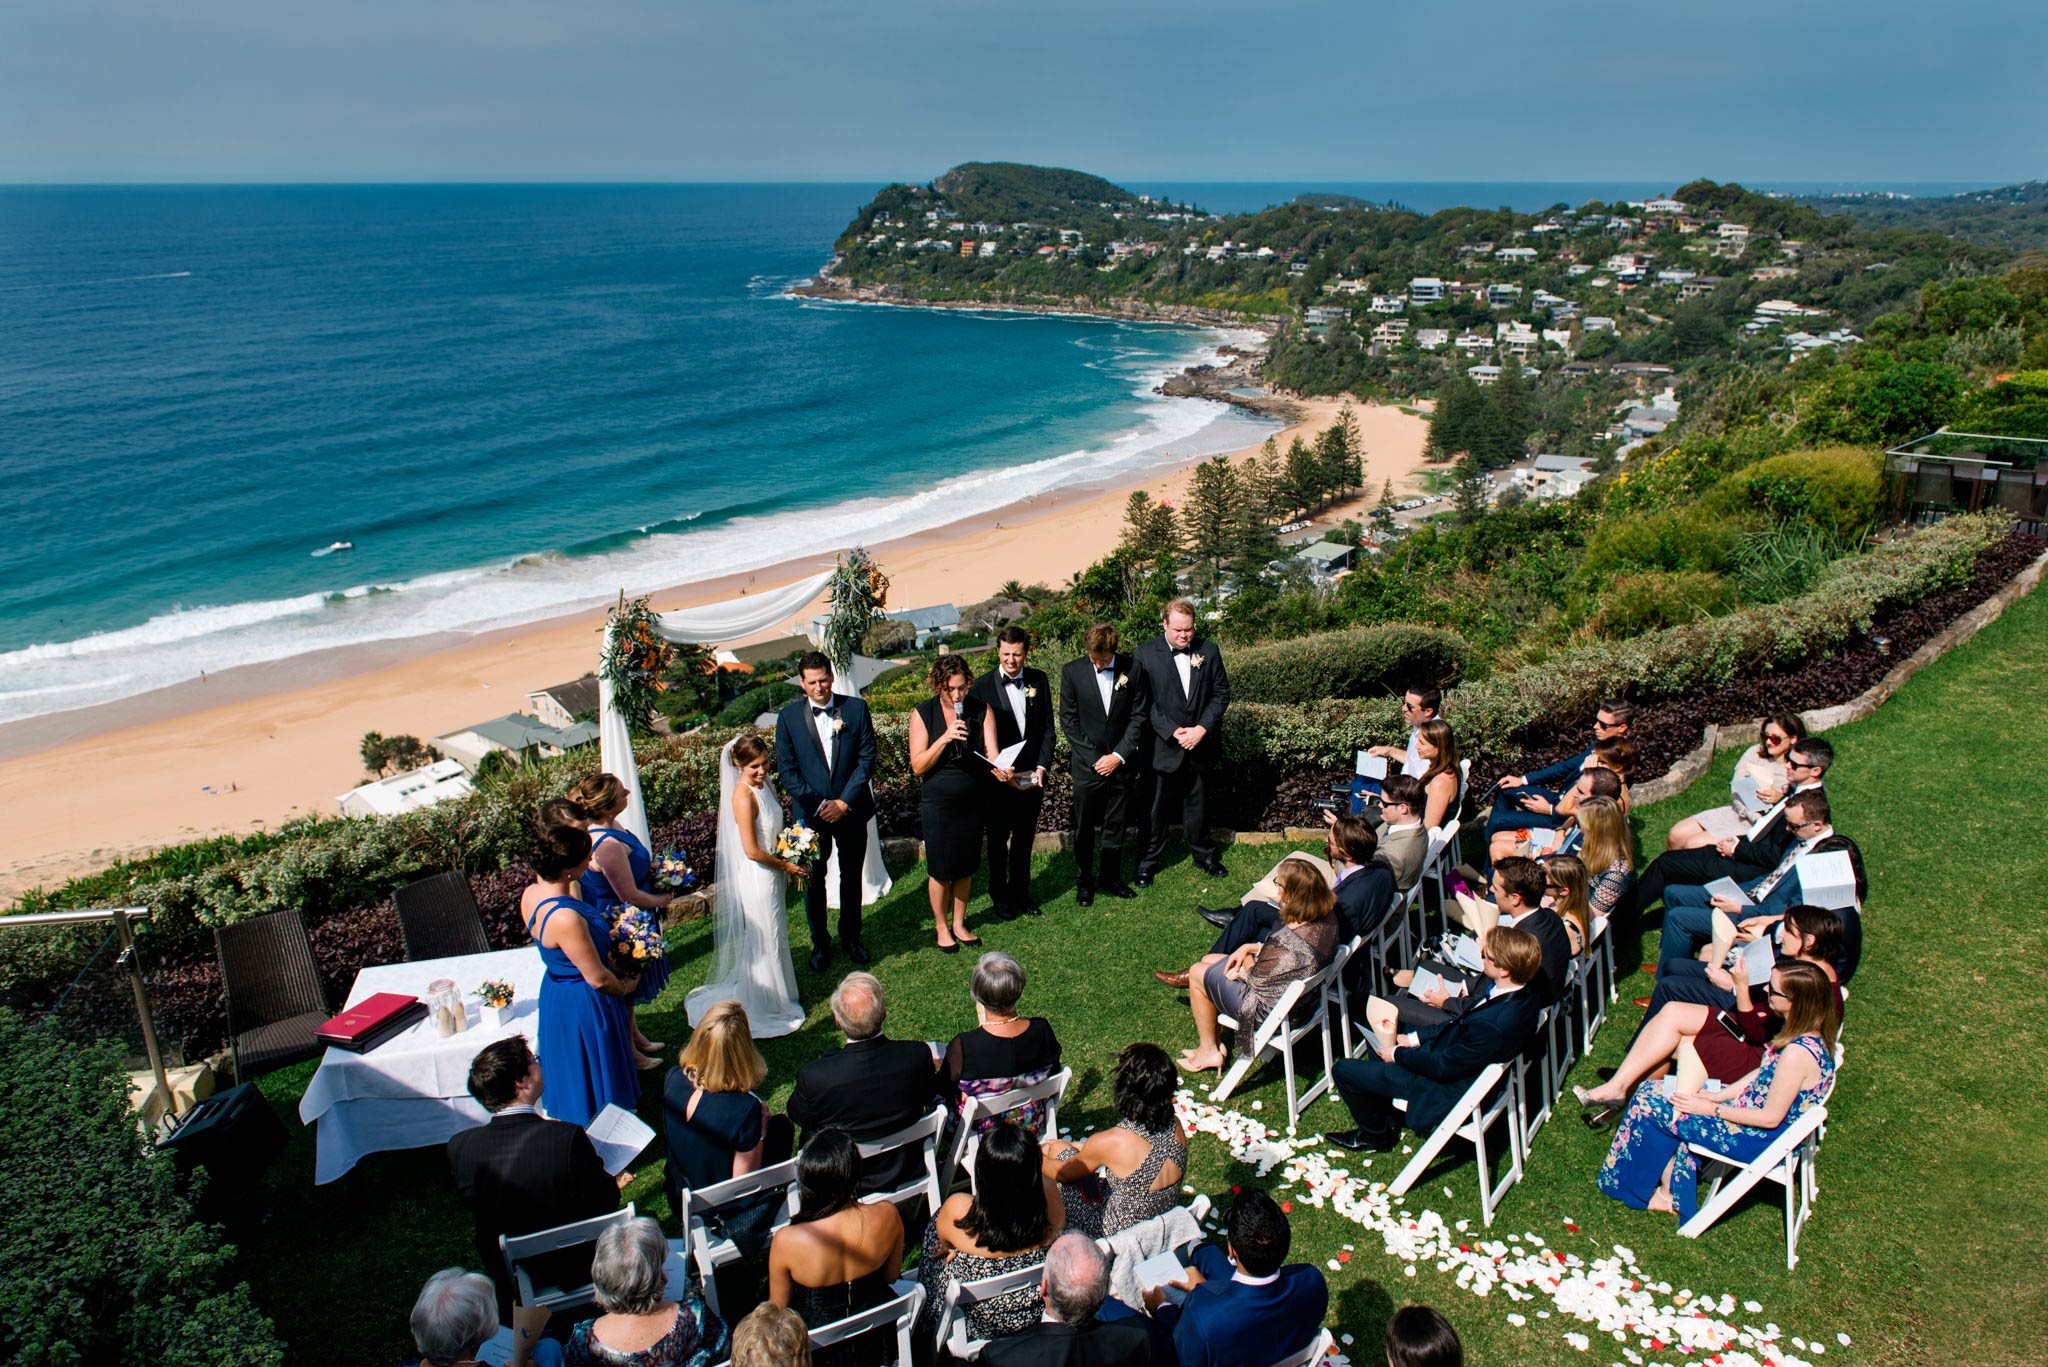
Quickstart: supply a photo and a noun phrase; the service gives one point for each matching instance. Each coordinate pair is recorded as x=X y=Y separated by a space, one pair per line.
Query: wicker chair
x=438 y=918
x=275 y=1000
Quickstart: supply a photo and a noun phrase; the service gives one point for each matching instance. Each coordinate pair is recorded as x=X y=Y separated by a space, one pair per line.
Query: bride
x=750 y=961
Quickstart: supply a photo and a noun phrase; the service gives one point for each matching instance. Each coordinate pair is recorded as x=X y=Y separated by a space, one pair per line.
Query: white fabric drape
x=874 y=874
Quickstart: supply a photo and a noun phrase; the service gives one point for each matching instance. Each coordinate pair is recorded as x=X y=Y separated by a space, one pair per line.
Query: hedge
x=1361 y=662
x=101 y=1257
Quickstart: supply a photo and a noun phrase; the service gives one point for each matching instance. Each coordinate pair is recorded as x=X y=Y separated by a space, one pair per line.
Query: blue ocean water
x=514 y=401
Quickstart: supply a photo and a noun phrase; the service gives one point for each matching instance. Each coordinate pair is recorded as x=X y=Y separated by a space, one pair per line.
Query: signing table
x=413 y=1089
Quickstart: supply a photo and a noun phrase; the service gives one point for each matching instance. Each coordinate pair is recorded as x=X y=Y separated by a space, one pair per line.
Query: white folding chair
x=1791 y=1161
x=1318 y=1348
x=1537 y=1069
x=1443 y=857
x=713 y=1250
x=924 y=1136
x=968 y=1141
x=518 y=1249
x=1280 y=1034
x=901 y=1311
x=1594 y=965
x=1469 y=1120
x=963 y=1296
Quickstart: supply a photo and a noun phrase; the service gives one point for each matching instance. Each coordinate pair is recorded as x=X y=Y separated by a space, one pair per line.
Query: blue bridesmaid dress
x=586 y=1036
x=597 y=889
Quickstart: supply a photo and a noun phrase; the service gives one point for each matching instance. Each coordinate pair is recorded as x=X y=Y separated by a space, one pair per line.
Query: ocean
x=514 y=402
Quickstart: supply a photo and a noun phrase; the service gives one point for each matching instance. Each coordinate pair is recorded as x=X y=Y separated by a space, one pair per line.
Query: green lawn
x=1935 y=1167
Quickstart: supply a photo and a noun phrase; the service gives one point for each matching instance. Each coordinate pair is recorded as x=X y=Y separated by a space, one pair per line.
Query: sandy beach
x=259 y=746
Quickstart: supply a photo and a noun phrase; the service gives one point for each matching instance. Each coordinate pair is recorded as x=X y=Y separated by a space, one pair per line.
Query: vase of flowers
x=497 y=1002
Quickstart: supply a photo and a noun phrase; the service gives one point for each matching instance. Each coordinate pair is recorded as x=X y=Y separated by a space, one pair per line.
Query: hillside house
x=563 y=704
x=1427 y=289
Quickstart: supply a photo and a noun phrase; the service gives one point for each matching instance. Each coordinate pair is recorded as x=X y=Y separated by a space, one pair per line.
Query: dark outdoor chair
x=275 y=1000
x=438 y=919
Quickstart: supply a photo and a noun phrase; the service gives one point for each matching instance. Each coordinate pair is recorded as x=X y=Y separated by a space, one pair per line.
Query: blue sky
x=1841 y=90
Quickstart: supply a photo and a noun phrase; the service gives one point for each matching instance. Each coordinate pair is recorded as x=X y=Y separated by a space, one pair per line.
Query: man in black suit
x=873 y=1087
x=825 y=753
x=1020 y=698
x=1186 y=695
x=1434 y=1066
x=1517 y=889
x=1075 y=1285
x=1102 y=712
x=521 y=1172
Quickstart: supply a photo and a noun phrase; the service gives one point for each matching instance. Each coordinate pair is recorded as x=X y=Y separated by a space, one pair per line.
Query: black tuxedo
x=1012 y=815
x=810 y=782
x=1101 y=805
x=869 y=1088
x=1754 y=857
x=1098 y=1343
x=1434 y=1072
x=1177 y=777
x=522 y=1173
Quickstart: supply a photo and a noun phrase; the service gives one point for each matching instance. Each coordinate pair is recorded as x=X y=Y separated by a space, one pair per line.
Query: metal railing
x=126 y=960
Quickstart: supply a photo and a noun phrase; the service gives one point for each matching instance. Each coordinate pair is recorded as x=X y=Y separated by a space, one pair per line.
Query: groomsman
x=1102 y=712
x=825 y=754
x=1186 y=694
x=1021 y=700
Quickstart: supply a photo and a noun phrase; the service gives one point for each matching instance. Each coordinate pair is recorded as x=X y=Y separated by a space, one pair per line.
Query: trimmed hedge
x=1361 y=662
x=101 y=1257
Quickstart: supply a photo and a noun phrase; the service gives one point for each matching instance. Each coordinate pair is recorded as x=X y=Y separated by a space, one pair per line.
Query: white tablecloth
x=412 y=1090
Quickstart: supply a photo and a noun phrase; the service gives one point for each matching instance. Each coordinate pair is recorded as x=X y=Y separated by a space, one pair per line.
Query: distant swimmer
x=337 y=546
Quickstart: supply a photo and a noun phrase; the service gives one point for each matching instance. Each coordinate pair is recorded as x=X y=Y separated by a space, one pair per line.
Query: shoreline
x=259 y=745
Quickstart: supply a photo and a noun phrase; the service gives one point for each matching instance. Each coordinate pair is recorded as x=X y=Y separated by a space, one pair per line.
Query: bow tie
x=1183 y=650
x=1017 y=682
x=818 y=711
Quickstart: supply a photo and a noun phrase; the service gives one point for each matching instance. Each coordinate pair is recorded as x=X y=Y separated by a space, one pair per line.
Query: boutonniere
x=1030 y=690
x=1122 y=679
x=837 y=726
x=1194 y=662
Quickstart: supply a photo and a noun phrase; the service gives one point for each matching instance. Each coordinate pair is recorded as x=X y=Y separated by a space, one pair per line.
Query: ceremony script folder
x=619 y=1137
x=370 y=1022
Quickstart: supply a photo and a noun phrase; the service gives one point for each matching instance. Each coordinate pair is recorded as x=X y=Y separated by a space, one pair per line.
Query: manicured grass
x=1935 y=1168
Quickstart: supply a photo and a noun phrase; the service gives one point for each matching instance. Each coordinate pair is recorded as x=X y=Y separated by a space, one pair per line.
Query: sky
x=867 y=90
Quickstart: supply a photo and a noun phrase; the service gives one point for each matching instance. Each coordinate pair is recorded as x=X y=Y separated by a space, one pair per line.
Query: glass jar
x=451 y=1015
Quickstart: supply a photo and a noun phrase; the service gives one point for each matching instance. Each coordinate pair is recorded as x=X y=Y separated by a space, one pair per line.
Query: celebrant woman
x=585 y=1030
x=952 y=750
x=750 y=961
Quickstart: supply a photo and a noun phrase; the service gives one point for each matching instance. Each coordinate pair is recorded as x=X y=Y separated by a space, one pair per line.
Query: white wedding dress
x=750 y=961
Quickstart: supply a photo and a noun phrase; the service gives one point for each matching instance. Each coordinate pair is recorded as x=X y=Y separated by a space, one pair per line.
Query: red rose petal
x=1287 y=1207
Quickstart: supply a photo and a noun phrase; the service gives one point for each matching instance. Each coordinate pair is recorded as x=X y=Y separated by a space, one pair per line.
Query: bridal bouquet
x=636 y=942
x=672 y=872
x=798 y=844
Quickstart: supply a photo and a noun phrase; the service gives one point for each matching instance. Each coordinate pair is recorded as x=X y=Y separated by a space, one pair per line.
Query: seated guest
x=1403 y=842
x=1728 y=1044
x=1249 y=982
x=1651 y=1165
x=873 y=1087
x=1518 y=887
x=1420 y=703
x=717 y=1126
x=1618 y=755
x=838 y=1255
x=457 y=1314
x=1752 y=854
x=1531 y=800
x=1364 y=890
x=1441 y=776
x=640 y=1326
x=1249 y=1304
x=1608 y=854
x=1564 y=892
x=1075 y=1285
x=1004 y=1050
x=1131 y=1171
x=521 y=1172
x=1689 y=910
x=1418 y=1336
x=1005 y=1223
x=1432 y=1067
x=771 y=1337
x=1568 y=836
x=1755 y=787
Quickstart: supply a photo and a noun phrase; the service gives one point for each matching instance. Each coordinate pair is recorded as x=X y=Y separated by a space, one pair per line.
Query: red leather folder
x=371 y=1021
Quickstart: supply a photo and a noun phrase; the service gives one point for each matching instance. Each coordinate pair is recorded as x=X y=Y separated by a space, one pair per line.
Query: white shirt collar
x=516 y=1108
x=1414 y=825
x=1344 y=871
x=1245 y=1277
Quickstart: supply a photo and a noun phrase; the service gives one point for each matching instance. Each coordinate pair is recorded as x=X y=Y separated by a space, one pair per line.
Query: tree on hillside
x=1304 y=477
x=1503 y=428
x=1383 y=511
x=1454 y=424
x=1470 y=496
x=1338 y=452
x=1150 y=536
x=1265 y=479
x=1210 y=515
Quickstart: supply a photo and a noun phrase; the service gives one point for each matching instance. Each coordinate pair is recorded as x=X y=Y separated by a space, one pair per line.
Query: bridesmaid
x=585 y=1031
x=618 y=878
x=952 y=748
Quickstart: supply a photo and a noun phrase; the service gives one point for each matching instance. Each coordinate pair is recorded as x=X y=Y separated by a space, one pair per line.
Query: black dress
x=818 y=1306
x=701 y=1147
x=954 y=793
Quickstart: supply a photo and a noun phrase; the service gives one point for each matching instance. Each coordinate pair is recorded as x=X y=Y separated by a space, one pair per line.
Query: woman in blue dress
x=1650 y=1166
x=619 y=877
x=585 y=1030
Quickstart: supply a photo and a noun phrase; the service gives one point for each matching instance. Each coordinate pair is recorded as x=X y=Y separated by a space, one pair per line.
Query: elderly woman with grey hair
x=457 y=1314
x=641 y=1327
x=1004 y=1050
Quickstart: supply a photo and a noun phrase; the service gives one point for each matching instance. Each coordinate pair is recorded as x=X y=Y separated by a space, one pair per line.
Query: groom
x=825 y=752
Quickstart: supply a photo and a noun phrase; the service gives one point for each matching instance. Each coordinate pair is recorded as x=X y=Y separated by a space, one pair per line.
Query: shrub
x=1836 y=488
x=101 y=1258
x=1655 y=599
x=742 y=710
x=1362 y=662
x=1678 y=539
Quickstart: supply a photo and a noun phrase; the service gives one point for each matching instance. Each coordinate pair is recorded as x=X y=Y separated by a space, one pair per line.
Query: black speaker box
x=234 y=1135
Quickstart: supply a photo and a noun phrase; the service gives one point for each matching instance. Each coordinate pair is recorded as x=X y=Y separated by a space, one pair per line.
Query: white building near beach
x=409 y=791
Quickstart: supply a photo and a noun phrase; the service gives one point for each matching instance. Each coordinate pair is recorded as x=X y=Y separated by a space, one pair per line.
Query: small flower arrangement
x=798 y=844
x=1195 y=662
x=1031 y=690
x=636 y=942
x=496 y=995
x=672 y=872
x=1122 y=679
x=838 y=724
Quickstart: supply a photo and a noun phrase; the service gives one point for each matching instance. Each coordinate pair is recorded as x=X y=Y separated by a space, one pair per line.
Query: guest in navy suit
x=1530 y=800
x=1748 y=856
x=825 y=754
x=1245 y=1307
x=1433 y=1067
